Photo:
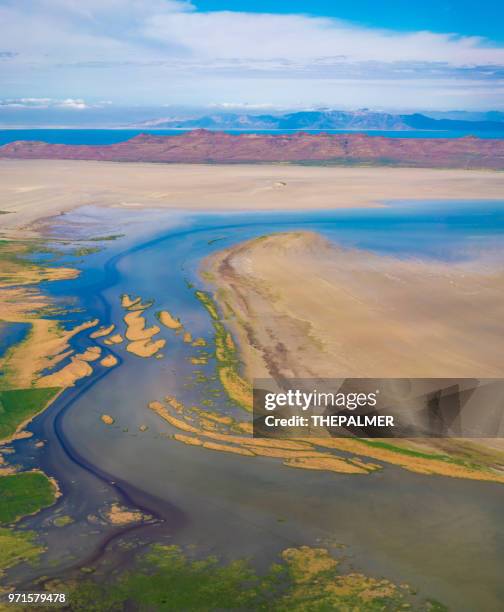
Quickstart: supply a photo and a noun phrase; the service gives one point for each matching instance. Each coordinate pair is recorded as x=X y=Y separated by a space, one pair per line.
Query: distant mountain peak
x=328 y=119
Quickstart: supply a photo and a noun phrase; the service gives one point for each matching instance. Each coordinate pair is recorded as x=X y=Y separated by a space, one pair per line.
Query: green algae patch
x=421 y=455
x=23 y=494
x=17 y=547
x=62 y=521
x=107 y=238
x=83 y=251
x=168 y=580
x=20 y=405
x=208 y=303
x=305 y=579
x=237 y=388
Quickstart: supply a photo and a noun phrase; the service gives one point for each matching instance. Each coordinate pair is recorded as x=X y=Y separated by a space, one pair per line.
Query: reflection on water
x=429 y=531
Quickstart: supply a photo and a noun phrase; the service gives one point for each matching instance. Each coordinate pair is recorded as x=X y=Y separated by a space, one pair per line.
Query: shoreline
x=172 y=519
x=265 y=310
x=31 y=191
x=376 y=296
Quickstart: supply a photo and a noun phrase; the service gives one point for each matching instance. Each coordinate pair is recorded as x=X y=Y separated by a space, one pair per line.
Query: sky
x=70 y=56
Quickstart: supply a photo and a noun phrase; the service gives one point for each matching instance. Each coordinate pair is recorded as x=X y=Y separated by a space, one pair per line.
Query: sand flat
x=35 y=189
x=359 y=314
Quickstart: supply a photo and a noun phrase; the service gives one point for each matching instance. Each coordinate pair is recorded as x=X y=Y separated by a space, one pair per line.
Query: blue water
x=163 y=265
x=11 y=334
x=450 y=231
x=159 y=258
x=104 y=137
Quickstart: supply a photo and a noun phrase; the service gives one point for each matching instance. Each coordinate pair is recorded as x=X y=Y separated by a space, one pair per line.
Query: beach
x=31 y=190
x=304 y=307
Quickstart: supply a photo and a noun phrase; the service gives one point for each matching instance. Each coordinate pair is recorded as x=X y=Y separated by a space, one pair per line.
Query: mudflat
x=305 y=307
x=33 y=189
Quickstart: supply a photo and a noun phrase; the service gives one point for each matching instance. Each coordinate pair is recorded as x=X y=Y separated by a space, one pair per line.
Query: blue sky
x=75 y=55
x=462 y=16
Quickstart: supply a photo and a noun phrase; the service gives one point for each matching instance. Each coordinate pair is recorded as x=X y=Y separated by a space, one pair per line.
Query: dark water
x=441 y=535
x=105 y=137
x=11 y=334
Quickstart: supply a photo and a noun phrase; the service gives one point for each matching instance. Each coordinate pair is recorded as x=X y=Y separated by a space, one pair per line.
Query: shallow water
x=441 y=535
x=11 y=334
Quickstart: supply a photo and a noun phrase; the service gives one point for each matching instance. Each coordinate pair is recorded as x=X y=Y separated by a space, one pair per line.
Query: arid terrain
x=307 y=308
x=32 y=190
x=202 y=146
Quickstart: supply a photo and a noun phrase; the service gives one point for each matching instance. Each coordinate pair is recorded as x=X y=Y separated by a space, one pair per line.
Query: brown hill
x=201 y=146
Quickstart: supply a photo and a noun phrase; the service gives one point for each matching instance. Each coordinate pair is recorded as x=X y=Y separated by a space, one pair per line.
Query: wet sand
x=31 y=189
x=309 y=308
x=267 y=506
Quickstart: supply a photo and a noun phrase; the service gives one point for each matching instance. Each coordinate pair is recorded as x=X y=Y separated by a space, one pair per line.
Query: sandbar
x=109 y=361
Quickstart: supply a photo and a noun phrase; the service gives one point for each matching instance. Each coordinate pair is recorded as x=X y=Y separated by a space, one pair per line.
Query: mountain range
x=329 y=120
x=203 y=146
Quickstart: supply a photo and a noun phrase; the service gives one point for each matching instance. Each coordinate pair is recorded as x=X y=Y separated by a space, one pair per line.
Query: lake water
x=11 y=334
x=105 y=137
x=429 y=531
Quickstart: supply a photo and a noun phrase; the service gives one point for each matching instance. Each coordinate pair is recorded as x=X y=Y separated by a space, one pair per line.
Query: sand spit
x=45 y=347
x=75 y=370
x=136 y=330
x=32 y=190
x=47 y=343
x=145 y=348
x=118 y=515
x=393 y=316
x=90 y=354
x=140 y=336
x=127 y=301
x=102 y=331
x=31 y=275
x=109 y=361
x=413 y=463
x=327 y=464
x=219 y=432
x=115 y=339
x=206 y=437
x=169 y=320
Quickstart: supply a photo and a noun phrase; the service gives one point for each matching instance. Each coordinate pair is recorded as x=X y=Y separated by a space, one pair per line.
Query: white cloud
x=68 y=103
x=165 y=51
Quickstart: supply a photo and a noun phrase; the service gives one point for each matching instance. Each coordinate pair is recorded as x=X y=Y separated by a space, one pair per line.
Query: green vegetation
x=414 y=453
x=23 y=494
x=237 y=388
x=307 y=579
x=208 y=276
x=208 y=303
x=110 y=237
x=83 y=251
x=61 y=521
x=18 y=405
x=16 y=547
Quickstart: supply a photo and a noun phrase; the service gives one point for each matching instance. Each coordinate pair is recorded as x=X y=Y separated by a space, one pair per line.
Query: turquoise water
x=104 y=137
